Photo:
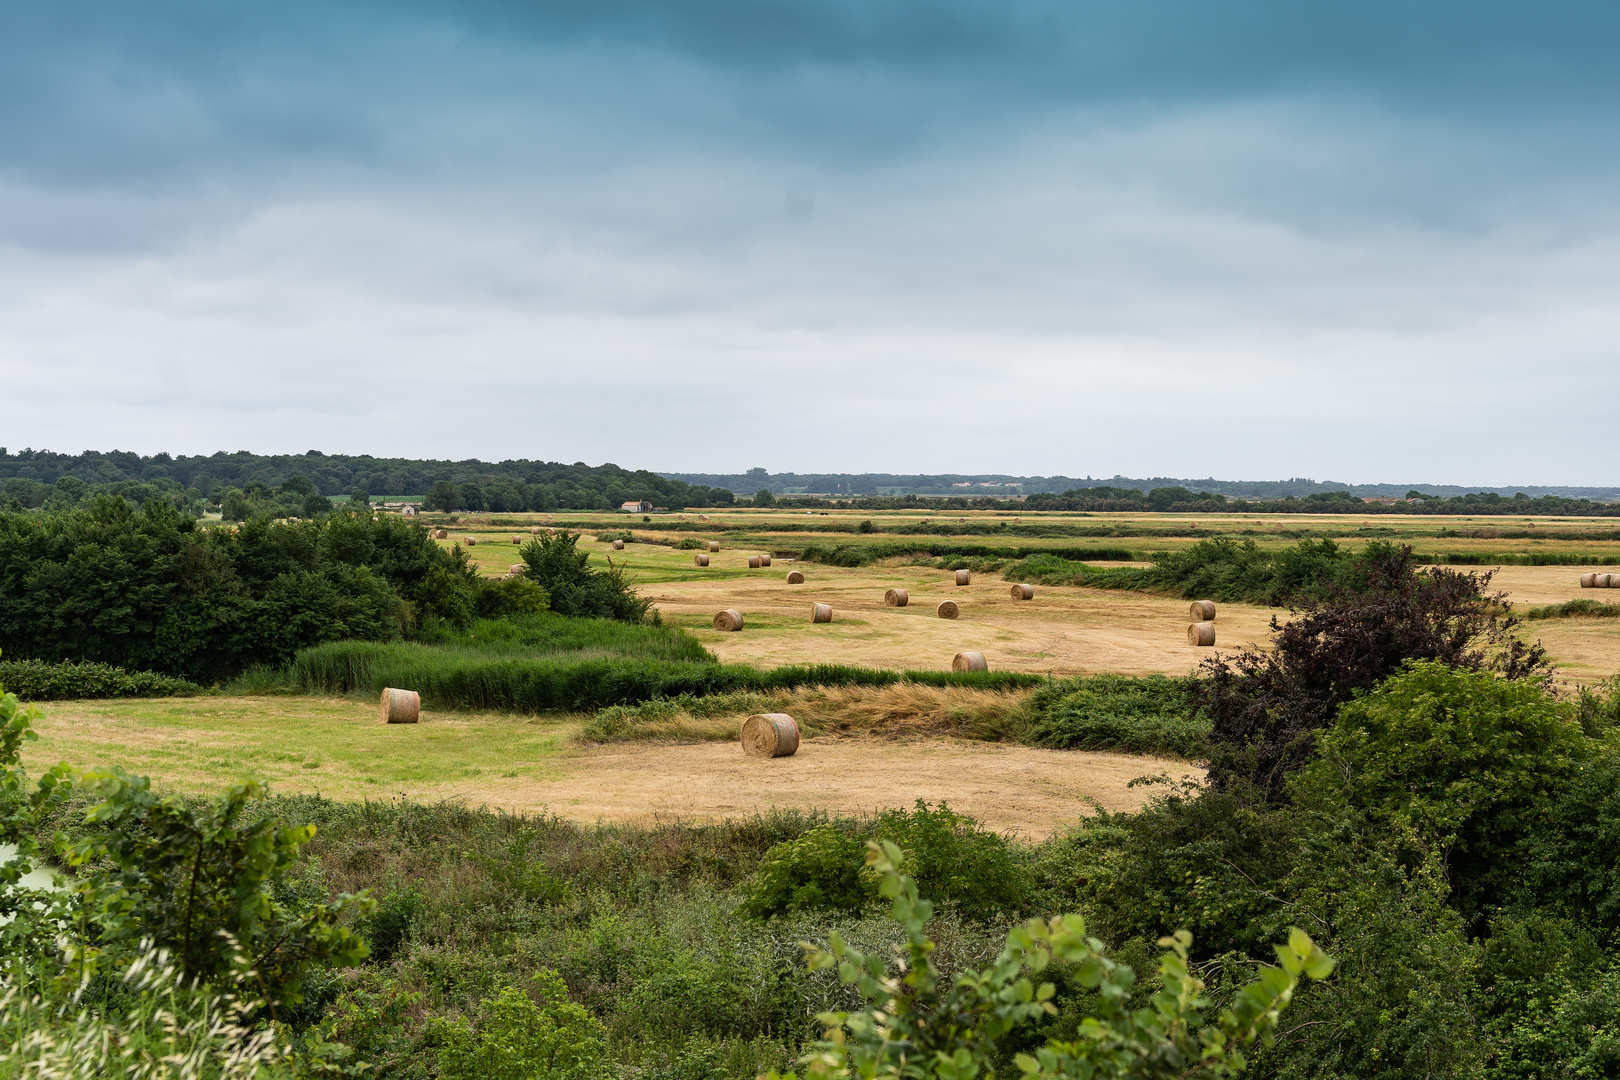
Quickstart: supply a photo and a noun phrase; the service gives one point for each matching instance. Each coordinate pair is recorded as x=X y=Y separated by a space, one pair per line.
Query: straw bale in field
x=700 y=559
x=518 y=568
x=768 y=735
x=441 y=534
x=517 y=539
x=535 y=531
x=1588 y=581
x=729 y=620
x=1023 y=592
x=1202 y=611
x=969 y=661
x=1201 y=633
x=765 y=560
x=948 y=609
x=963 y=577
x=795 y=578
x=472 y=541
x=401 y=706
x=753 y=562
x=714 y=545
x=821 y=613
x=703 y=517
x=896 y=598
x=618 y=545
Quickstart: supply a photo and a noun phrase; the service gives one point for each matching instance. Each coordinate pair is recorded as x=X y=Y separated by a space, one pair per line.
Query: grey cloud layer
x=511 y=228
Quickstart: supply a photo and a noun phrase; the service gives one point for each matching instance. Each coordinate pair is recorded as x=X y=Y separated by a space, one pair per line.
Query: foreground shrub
x=1266 y=708
x=820 y=871
x=1152 y=714
x=916 y=1023
x=39 y=680
x=518 y=1038
x=949 y=855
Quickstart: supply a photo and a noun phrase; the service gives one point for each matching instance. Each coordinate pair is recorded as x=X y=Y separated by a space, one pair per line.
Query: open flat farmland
x=1064 y=629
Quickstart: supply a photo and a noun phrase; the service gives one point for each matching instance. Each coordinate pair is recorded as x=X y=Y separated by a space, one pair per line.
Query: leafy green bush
x=575 y=588
x=1152 y=714
x=518 y=1038
x=1463 y=757
x=820 y=871
x=952 y=858
x=915 y=1019
x=39 y=680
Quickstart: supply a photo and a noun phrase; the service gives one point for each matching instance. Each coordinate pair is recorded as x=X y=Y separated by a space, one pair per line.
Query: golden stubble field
x=1063 y=630
x=337 y=747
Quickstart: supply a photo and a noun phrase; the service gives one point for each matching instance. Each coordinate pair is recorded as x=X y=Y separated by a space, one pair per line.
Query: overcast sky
x=1251 y=239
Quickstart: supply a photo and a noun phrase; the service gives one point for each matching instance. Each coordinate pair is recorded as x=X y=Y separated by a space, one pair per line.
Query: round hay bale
x=948 y=609
x=517 y=540
x=714 y=545
x=753 y=562
x=969 y=661
x=703 y=517
x=729 y=620
x=518 y=569
x=795 y=578
x=472 y=541
x=618 y=545
x=535 y=531
x=1202 y=611
x=1023 y=592
x=1588 y=581
x=896 y=598
x=441 y=534
x=1607 y=581
x=1201 y=633
x=764 y=560
x=700 y=559
x=401 y=706
x=821 y=613
x=963 y=577
x=772 y=734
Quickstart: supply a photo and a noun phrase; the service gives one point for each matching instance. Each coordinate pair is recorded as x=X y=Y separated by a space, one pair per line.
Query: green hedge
x=41 y=680
x=1152 y=714
x=451 y=677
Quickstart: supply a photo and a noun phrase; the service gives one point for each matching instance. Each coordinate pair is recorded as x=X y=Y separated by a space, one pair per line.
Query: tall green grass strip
x=461 y=678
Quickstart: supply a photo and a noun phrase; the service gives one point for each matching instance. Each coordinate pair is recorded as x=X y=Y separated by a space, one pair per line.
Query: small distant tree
x=444 y=497
x=315 y=504
x=575 y=588
x=763 y=497
x=1415 y=494
x=298 y=485
x=472 y=496
x=360 y=499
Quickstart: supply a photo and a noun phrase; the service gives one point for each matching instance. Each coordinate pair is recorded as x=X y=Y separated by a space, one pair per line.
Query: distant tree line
x=1180 y=500
x=31 y=479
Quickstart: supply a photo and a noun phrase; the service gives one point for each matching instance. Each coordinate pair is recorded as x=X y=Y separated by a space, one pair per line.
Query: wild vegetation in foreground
x=1395 y=778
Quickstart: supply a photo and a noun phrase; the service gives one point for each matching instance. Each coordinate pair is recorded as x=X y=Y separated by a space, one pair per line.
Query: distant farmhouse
x=636 y=507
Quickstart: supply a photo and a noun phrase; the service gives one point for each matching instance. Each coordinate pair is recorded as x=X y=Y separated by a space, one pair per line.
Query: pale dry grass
x=903 y=711
x=337 y=747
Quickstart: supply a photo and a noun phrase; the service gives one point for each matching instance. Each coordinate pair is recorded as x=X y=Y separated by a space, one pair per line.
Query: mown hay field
x=337 y=747
x=1064 y=630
